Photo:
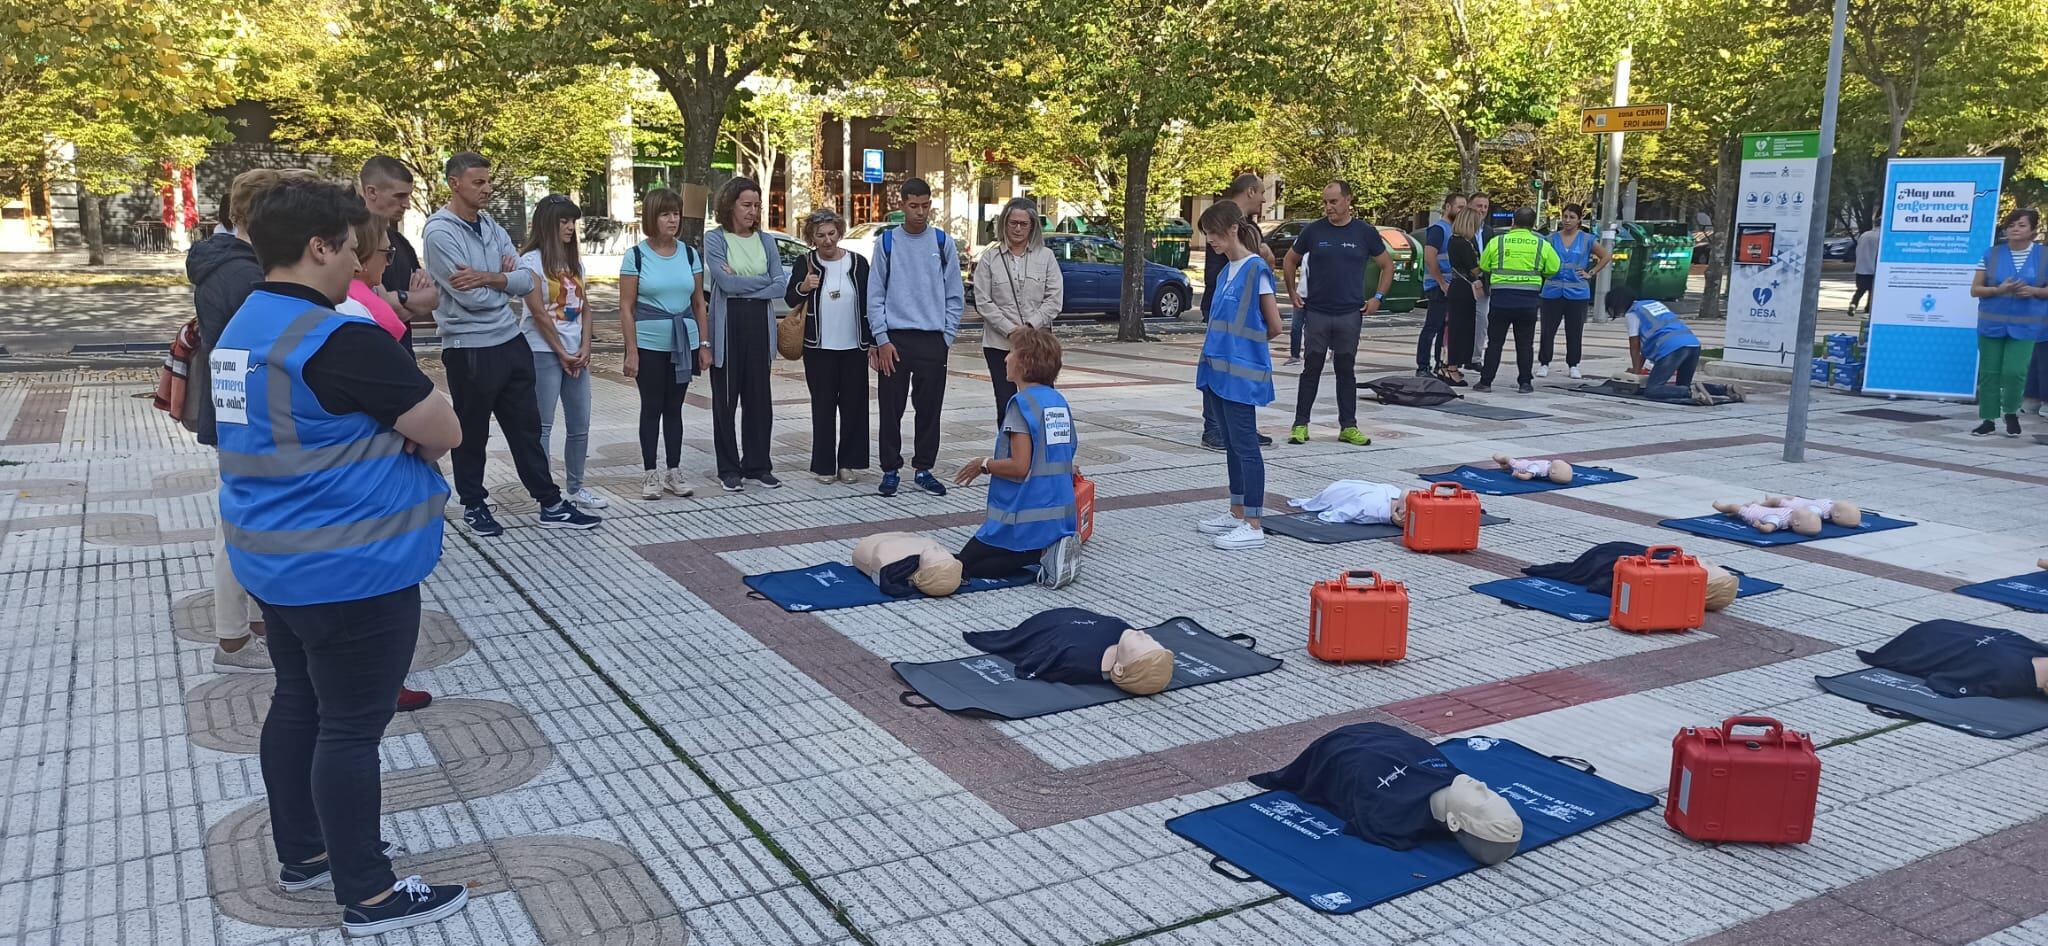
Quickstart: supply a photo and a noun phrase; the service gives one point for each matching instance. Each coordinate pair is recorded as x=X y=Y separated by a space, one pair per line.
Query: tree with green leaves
x=768 y=124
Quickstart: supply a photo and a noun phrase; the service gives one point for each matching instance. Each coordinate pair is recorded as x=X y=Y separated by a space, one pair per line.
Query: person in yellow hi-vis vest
x=1516 y=263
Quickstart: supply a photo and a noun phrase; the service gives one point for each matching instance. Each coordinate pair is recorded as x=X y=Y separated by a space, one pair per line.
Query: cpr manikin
x=1593 y=570
x=1078 y=646
x=1356 y=501
x=900 y=562
x=1955 y=659
x=1396 y=790
x=1556 y=471
x=1801 y=515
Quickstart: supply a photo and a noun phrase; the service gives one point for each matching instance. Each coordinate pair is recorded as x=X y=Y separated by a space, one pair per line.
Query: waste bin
x=1406 y=290
x=1629 y=252
x=1665 y=262
x=1170 y=243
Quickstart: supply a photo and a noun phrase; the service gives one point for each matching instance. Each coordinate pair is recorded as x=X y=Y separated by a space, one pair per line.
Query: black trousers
x=920 y=381
x=999 y=375
x=338 y=671
x=661 y=406
x=1572 y=313
x=839 y=399
x=1463 y=321
x=740 y=393
x=497 y=382
x=982 y=560
x=1433 y=327
x=1498 y=322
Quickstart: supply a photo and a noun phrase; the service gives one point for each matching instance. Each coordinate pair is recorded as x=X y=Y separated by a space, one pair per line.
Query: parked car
x=1841 y=246
x=1092 y=277
x=861 y=239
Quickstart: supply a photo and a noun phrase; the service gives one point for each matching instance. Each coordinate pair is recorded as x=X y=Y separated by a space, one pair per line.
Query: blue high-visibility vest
x=1577 y=256
x=317 y=508
x=1443 y=252
x=1032 y=514
x=2009 y=316
x=1236 y=364
x=1662 y=332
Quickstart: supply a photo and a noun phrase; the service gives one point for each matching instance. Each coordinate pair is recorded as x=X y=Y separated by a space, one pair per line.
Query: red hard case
x=1756 y=787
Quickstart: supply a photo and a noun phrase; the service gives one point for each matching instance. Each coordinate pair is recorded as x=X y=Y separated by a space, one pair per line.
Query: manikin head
x=1846 y=515
x=1805 y=521
x=937 y=575
x=1137 y=664
x=1722 y=586
x=1485 y=824
x=1560 y=471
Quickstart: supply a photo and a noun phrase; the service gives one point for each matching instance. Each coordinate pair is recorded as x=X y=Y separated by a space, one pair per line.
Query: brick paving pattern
x=625 y=748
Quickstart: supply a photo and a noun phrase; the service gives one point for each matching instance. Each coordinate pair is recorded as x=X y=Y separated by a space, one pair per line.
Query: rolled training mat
x=1612 y=388
x=988 y=685
x=1723 y=526
x=1306 y=527
x=1574 y=603
x=1498 y=482
x=1905 y=696
x=1303 y=851
x=834 y=585
x=2028 y=592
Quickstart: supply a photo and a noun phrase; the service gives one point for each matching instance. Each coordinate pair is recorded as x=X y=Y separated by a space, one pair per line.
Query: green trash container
x=1629 y=253
x=1406 y=290
x=1666 y=261
x=1170 y=243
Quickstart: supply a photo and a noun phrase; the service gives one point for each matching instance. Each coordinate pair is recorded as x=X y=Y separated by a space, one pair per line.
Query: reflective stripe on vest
x=1429 y=280
x=345 y=535
x=1041 y=509
x=1662 y=331
x=290 y=457
x=2007 y=316
x=1236 y=364
x=1570 y=259
x=1503 y=275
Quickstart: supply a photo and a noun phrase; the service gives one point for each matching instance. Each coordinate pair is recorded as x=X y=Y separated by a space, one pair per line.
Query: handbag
x=789 y=331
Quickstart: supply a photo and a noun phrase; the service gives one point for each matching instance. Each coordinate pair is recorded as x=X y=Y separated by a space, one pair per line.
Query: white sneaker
x=586 y=499
x=1060 y=564
x=827 y=477
x=1242 y=537
x=673 y=482
x=1543 y=371
x=650 y=485
x=1575 y=372
x=849 y=477
x=1218 y=524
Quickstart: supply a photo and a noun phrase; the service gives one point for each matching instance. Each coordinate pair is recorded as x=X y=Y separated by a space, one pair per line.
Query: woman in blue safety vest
x=1567 y=295
x=1235 y=374
x=332 y=513
x=2012 y=315
x=1031 y=511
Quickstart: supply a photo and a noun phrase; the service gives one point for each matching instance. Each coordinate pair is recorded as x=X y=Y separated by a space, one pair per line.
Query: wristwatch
x=704 y=344
x=403 y=296
x=1379 y=297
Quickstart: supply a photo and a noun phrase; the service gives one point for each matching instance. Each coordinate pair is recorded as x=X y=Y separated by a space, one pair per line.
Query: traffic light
x=1536 y=181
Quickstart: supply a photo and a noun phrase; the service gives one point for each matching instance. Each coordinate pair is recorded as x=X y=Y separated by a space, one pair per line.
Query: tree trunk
x=92 y=223
x=1137 y=178
x=1713 y=299
x=703 y=112
x=1468 y=159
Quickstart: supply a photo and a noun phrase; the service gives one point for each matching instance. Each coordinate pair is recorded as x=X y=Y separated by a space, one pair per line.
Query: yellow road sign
x=1616 y=118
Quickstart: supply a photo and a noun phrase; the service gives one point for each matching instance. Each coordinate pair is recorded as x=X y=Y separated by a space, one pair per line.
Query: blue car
x=1092 y=272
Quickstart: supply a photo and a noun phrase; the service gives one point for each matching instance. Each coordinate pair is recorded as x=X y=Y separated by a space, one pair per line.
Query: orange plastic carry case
x=1443 y=518
x=1353 y=622
x=1084 y=503
x=1663 y=589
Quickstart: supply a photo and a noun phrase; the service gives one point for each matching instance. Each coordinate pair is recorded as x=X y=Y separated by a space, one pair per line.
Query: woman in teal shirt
x=660 y=293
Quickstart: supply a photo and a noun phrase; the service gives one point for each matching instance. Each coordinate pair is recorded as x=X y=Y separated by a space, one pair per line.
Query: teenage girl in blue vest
x=1032 y=517
x=1235 y=375
x=1567 y=295
x=2012 y=315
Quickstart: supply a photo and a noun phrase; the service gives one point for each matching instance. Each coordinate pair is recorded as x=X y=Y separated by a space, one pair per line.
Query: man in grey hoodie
x=490 y=368
x=915 y=297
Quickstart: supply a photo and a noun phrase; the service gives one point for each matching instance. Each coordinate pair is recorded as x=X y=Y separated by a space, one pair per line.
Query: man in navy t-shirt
x=1340 y=245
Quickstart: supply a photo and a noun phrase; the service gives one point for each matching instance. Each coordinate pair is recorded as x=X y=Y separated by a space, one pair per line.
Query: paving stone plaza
x=625 y=748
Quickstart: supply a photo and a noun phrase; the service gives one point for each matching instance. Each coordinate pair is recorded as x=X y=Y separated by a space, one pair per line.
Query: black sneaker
x=1424 y=373
x=767 y=481
x=565 y=515
x=1525 y=388
x=1985 y=429
x=1265 y=441
x=2012 y=425
x=308 y=874
x=929 y=483
x=481 y=522
x=1481 y=388
x=412 y=902
x=731 y=484
x=1208 y=444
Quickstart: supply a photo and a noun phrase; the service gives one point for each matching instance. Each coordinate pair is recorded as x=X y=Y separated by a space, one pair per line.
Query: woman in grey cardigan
x=745 y=271
x=1017 y=284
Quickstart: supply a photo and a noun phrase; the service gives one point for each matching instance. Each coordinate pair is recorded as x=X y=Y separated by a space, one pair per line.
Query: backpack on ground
x=1409 y=391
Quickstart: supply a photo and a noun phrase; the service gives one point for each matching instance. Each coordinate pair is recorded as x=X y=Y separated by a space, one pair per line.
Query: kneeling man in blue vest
x=1656 y=335
x=332 y=511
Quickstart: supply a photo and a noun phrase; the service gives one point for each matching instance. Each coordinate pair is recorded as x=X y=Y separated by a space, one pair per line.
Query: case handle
x=1250 y=642
x=1377 y=581
x=1577 y=763
x=1216 y=864
x=906 y=696
x=1436 y=489
x=1777 y=729
x=1675 y=553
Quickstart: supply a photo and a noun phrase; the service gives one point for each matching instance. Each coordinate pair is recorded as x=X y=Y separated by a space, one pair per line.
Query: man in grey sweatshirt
x=490 y=368
x=915 y=297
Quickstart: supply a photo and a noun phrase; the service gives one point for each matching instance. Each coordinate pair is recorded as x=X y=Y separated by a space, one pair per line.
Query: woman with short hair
x=2012 y=315
x=662 y=317
x=831 y=283
x=1017 y=285
x=1032 y=514
x=745 y=272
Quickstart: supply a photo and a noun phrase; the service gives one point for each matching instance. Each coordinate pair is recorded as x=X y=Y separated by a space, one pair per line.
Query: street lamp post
x=1816 y=240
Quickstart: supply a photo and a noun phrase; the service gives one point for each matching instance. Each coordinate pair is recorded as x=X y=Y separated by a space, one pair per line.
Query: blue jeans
x=551 y=384
x=1295 y=324
x=1246 y=466
x=1680 y=365
x=1433 y=328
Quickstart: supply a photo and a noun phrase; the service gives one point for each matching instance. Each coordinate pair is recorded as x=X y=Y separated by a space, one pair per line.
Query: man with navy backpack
x=914 y=316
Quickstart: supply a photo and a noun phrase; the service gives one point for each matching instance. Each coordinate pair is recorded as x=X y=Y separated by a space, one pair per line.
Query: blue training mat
x=2028 y=592
x=1573 y=602
x=1905 y=696
x=1498 y=482
x=1719 y=526
x=836 y=585
x=1303 y=851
